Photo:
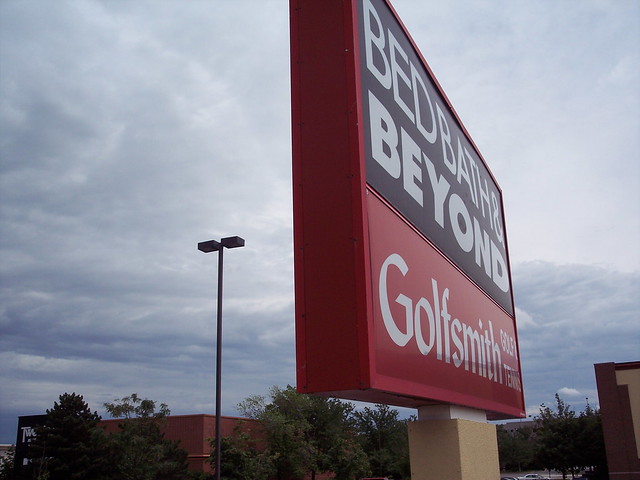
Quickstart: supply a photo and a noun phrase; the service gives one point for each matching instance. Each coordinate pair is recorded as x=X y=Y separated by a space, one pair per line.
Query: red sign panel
x=403 y=290
x=435 y=333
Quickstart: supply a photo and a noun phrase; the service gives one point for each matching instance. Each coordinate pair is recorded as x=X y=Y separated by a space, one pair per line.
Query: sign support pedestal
x=448 y=442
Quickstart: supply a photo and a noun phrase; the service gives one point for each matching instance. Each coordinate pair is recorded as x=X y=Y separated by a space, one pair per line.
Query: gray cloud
x=129 y=131
x=576 y=316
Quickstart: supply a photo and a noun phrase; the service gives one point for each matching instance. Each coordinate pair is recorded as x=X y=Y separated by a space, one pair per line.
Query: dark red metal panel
x=329 y=238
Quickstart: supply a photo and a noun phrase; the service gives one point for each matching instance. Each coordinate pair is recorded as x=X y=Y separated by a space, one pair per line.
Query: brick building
x=194 y=432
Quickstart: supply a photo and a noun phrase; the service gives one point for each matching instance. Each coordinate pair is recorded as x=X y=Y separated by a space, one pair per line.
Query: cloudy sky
x=130 y=131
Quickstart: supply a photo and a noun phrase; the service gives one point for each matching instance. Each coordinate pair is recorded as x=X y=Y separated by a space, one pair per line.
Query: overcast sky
x=130 y=131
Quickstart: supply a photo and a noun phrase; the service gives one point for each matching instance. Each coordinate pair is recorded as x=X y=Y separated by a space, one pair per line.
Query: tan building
x=619 y=395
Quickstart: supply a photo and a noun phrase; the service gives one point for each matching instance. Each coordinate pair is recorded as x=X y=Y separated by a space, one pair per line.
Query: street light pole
x=207 y=247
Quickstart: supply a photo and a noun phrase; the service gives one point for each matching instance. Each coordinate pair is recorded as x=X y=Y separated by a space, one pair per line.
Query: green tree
x=243 y=457
x=349 y=460
x=135 y=407
x=69 y=445
x=139 y=449
x=590 y=447
x=285 y=430
x=557 y=432
x=7 y=464
x=307 y=434
x=515 y=447
x=385 y=439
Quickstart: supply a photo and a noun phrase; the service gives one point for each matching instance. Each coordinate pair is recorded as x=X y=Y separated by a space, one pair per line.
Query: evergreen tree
x=70 y=446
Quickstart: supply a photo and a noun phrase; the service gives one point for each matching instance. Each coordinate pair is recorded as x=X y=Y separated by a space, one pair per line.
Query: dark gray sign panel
x=26 y=434
x=419 y=158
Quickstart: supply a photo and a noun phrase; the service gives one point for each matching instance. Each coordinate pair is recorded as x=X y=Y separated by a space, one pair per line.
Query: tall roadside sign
x=403 y=284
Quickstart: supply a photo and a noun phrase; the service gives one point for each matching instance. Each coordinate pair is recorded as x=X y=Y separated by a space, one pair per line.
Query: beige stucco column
x=448 y=442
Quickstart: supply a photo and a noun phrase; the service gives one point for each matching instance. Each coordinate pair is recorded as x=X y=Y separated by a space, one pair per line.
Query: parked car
x=533 y=476
x=508 y=478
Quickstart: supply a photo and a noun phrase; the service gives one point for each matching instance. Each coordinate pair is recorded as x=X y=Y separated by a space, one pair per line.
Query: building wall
x=619 y=395
x=4 y=449
x=631 y=378
x=194 y=431
x=513 y=426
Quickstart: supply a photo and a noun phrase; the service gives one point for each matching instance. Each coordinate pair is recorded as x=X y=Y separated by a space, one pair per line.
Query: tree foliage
x=385 y=439
x=243 y=458
x=69 y=445
x=560 y=441
x=135 y=407
x=7 y=465
x=556 y=434
x=569 y=443
x=590 y=444
x=140 y=450
x=515 y=448
x=304 y=435
x=307 y=434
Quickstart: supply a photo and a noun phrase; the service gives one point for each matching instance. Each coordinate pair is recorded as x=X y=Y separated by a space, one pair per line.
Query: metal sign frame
x=386 y=309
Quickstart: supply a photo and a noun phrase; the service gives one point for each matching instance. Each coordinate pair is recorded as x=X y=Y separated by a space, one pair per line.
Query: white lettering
x=424 y=347
x=445 y=320
x=471 y=338
x=440 y=188
x=447 y=150
x=474 y=173
x=495 y=352
x=378 y=42
x=497 y=225
x=456 y=328
x=475 y=219
x=410 y=168
x=463 y=171
x=460 y=222
x=431 y=324
x=484 y=197
x=499 y=268
x=483 y=252
x=397 y=72
x=395 y=333
x=416 y=79
x=384 y=137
